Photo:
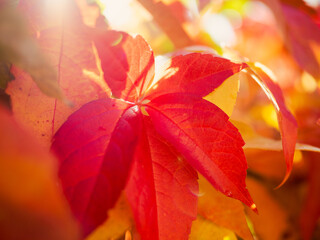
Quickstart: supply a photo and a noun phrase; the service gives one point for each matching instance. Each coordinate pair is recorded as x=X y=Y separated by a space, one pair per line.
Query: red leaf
x=201 y=132
x=301 y=23
x=301 y=5
x=68 y=46
x=299 y=30
x=128 y=68
x=127 y=63
x=95 y=146
x=162 y=189
x=194 y=73
x=287 y=122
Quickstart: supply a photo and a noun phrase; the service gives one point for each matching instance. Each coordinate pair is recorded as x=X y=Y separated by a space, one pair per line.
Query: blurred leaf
x=90 y=11
x=263 y=143
x=299 y=31
x=310 y=213
x=32 y=206
x=5 y=75
x=168 y=22
x=222 y=211
x=272 y=221
x=68 y=46
x=5 y=99
x=119 y=221
x=17 y=47
x=202 y=4
x=203 y=229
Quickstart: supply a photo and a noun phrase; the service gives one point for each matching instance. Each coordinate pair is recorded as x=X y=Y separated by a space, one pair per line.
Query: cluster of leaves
x=133 y=129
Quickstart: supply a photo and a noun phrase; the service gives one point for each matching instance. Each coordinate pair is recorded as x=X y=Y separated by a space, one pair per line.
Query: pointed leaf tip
x=194 y=73
x=201 y=132
x=287 y=123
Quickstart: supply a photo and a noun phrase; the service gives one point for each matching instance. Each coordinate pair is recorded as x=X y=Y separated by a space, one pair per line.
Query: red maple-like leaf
x=153 y=139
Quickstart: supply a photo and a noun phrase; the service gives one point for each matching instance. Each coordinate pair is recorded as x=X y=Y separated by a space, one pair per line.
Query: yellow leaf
x=119 y=221
x=203 y=229
x=225 y=95
x=221 y=210
x=272 y=221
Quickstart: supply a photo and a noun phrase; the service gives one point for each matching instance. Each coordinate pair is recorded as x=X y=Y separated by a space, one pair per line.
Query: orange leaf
x=31 y=203
x=67 y=44
x=203 y=229
x=311 y=210
x=271 y=222
x=119 y=221
x=222 y=211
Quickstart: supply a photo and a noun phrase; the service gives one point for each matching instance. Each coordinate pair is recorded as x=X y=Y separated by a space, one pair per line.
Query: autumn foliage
x=140 y=130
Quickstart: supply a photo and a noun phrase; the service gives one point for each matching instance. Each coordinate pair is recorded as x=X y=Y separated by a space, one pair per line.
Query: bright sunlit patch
x=309 y=84
x=267 y=70
x=234 y=17
x=96 y=78
x=259 y=12
x=219 y=28
x=54 y=5
x=165 y=72
x=154 y=87
x=117 y=12
x=253 y=207
x=313 y=3
x=270 y=116
x=297 y=156
x=170 y=72
x=54 y=11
